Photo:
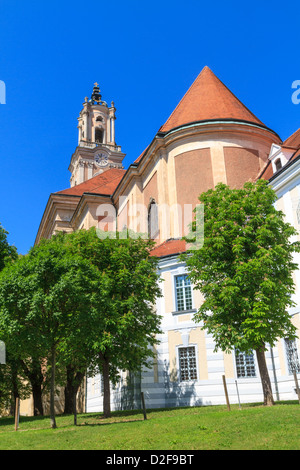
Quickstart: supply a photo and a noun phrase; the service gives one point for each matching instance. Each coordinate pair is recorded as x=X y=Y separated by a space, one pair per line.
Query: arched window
x=99 y=135
x=278 y=164
x=99 y=118
x=153 y=224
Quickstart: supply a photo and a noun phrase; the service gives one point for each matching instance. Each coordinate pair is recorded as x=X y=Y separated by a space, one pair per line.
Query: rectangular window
x=292 y=356
x=245 y=365
x=187 y=363
x=183 y=292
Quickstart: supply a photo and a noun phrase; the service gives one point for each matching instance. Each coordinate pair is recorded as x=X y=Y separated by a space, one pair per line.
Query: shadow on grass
x=118 y=417
x=10 y=420
x=129 y=421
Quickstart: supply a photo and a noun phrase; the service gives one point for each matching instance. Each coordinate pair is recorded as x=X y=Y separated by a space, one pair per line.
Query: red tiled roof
x=267 y=172
x=169 y=247
x=105 y=183
x=208 y=98
x=291 y=144
x=296 y=154
x=140 y=157
x=293 y=141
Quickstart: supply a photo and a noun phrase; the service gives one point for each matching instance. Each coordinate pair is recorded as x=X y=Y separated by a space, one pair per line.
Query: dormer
x=279 y=156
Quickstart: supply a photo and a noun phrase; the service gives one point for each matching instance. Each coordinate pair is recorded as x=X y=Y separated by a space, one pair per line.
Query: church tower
x=97 y=150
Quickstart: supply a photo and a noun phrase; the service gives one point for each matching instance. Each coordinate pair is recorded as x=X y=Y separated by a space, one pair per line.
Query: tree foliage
x=81 y=301
x=8 y=252
x=41 y=296
x=244 y=268
x=125 y=328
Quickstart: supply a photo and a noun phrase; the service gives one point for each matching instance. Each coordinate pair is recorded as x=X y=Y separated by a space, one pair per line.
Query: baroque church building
x=210 y=137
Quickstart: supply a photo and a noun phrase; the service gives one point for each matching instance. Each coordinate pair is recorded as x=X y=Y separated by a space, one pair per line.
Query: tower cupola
x=96 y=96
x=97 y=150
x=96 y=122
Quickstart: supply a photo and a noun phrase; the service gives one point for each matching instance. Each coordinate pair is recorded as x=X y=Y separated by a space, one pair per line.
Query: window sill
x=184 y=312
x=189 y=382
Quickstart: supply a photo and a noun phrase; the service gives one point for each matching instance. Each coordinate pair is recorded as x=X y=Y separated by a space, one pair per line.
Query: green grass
x=200 y=428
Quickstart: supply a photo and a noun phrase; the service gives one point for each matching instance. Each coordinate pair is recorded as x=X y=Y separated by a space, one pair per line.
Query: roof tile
x=105 y=183
x=169 y=247
x=208 y=99
x=293 y=141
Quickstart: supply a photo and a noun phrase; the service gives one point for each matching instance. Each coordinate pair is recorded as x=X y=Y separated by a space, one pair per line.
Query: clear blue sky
x=144 y=55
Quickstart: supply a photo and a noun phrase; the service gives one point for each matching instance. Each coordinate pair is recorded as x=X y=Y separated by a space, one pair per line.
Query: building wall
x=178 y=169
x=177 y=176
x=160 y=382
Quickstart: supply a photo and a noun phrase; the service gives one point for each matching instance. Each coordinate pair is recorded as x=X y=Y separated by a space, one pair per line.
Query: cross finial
x=96 y=96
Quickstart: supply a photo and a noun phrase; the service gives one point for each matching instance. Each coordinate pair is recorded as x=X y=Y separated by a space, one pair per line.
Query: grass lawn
x=200 y=428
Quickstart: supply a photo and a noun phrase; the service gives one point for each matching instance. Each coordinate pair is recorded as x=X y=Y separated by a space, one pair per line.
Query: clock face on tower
x=101 y=159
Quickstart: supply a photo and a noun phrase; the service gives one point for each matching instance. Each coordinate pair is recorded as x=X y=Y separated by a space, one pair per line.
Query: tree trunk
x=106 y=386
x=15 y=390
x=69 y=395
x=36 y=379
x=69 y=391
x=52 y=388
x=37 y=400
x=265 y=378
x=74 y=380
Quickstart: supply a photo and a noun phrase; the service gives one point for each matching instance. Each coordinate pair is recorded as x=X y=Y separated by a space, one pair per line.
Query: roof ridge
x=186 y=93
x=244 y=106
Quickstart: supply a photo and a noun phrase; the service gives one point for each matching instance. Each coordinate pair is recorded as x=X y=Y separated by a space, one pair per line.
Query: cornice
x=53 y=202
x=87 y=154
x=88 y=198
x=219 y=121
x=162 y=140
x=286 y=178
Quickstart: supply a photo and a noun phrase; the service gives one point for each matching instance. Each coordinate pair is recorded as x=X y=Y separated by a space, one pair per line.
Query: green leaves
x=244 y=268
x=84 y=297
x=8 y=252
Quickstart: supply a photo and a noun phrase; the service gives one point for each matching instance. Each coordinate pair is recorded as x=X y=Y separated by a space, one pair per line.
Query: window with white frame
x=292 y=356
x=183 y=293
x=187 y=363
x=245 y=365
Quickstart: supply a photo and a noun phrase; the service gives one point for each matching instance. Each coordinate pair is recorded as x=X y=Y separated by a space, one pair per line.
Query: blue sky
x=144 y=55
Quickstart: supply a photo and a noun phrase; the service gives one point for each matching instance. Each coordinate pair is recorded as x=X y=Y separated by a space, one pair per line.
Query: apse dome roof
x=209 y=99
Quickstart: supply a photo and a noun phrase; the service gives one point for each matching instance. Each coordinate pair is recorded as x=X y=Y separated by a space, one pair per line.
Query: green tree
x=77 y=301
x=8 y=252
x=123 y=329
x=244 y=271
x=41 y=296
x=8 y=384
